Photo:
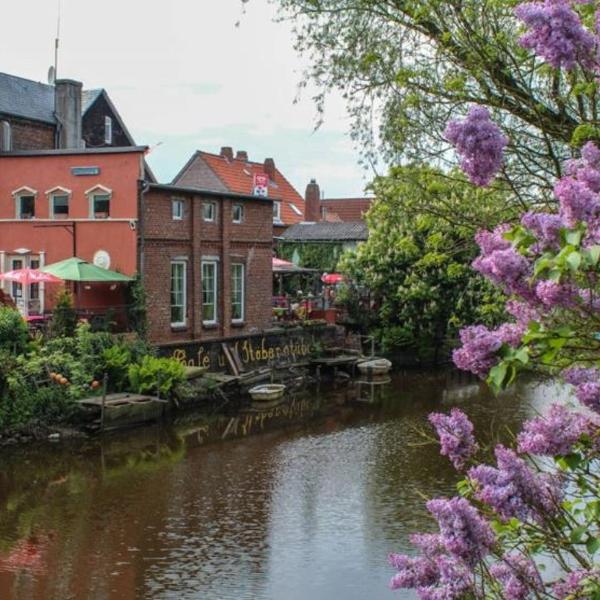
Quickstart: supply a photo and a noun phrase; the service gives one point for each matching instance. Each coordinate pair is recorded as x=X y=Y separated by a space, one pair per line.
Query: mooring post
x=104 y=388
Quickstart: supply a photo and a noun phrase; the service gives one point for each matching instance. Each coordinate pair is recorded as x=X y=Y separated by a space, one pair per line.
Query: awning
x=284 y=266
x=77 y=269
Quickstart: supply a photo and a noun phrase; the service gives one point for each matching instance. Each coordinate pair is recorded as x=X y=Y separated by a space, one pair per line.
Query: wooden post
x=104 y=387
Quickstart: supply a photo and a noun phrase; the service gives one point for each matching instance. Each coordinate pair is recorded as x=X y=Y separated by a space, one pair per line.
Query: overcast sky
x=183 y=75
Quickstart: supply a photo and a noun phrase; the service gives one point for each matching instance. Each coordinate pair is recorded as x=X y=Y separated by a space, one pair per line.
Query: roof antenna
x=54 y=72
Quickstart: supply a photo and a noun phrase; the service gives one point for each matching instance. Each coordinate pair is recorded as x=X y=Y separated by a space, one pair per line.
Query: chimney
x=227 y=152
x=269 y=168
x=242 y=155
x=67 y=106
x=312 y=202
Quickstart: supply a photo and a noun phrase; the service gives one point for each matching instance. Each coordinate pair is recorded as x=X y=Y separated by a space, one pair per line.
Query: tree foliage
x=416 y=261
x=406 y=67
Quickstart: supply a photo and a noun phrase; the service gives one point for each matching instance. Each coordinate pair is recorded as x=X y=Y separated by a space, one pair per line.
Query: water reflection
x=303 y=501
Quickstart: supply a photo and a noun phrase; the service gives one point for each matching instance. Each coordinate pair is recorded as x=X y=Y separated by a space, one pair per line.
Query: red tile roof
x=348 y=210
x=237 y=175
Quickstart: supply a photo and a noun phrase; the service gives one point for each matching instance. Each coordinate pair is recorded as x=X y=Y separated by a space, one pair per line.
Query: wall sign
x=85 y=171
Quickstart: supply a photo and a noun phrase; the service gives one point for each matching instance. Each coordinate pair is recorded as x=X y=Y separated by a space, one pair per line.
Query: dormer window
x=99 y=199
x=276 y=212
x=108 y=133
x=25 y=202
x=59 y=202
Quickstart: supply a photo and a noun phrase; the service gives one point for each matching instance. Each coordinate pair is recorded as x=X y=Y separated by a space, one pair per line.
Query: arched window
x=59 y=198
x=99 y=199
x=25 y=202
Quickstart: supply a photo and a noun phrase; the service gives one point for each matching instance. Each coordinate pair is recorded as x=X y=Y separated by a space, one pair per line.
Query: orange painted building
x=55 y=204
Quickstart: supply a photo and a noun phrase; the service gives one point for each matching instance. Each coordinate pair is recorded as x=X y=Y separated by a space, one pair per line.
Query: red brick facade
x=30 y=135
x=192 y=239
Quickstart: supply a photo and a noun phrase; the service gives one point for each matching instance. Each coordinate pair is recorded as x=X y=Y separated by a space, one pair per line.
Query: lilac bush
x=539 y=504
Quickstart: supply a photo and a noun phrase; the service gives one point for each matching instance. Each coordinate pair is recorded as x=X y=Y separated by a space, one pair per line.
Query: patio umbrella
x=332 y=278
x=29 y=276
x=77 y=269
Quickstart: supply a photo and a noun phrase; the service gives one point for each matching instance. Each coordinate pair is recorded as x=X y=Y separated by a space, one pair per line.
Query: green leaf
x=497 y=375
x=574 y=260
x=577 y=534
x=573 y=237
x=594 y=254
x=593 y=545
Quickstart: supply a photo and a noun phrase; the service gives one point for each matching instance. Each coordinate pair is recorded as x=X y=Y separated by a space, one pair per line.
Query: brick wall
x=93 y=126
x=31 y=135
x=192 y=238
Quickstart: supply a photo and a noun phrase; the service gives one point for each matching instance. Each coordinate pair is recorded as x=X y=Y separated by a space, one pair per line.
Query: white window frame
x=276 y=211
x=242 y=302
x=215 y=290
x=98 y=190
x=183 y=264
x=177 y=215
x=213 y=217
x=20 y=193
x=58 y=191
x=108 y=130
x=241 y=217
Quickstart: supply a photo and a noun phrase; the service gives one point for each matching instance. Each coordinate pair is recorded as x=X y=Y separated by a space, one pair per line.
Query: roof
x=237 y=176
x=324 y=231
x=181 y=189
x=35 y=100
x=347 y=209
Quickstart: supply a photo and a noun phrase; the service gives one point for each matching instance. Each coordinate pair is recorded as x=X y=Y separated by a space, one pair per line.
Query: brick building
x=226 y=172
x=334 y=210
x=216 y=248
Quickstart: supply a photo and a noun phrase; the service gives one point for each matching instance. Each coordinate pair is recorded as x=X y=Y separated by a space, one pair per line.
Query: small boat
x=267 y=391
x=120 y=411
x=374 y=367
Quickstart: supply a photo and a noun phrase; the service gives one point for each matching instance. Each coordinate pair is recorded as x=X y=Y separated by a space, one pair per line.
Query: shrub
x=64 y=317
x=13 y=330
x=156 y=374
x=116 y=361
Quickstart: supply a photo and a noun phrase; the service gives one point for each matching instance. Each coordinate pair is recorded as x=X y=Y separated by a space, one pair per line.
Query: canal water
x=302 y=502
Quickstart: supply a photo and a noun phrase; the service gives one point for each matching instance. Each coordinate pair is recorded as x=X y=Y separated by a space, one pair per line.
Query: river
x=303 y=502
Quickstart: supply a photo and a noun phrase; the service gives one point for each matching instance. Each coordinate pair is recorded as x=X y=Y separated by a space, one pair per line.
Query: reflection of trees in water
x=87 y=507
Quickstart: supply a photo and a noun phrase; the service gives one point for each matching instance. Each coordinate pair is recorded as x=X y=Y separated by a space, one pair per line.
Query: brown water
x=302 y=502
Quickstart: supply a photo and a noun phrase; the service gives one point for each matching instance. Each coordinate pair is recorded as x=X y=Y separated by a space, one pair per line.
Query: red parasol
x=332 y=278
x=29 y=276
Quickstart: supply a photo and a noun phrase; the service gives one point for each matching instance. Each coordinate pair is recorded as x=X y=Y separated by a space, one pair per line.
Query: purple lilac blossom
x=577 y=201
x=556 y=34
x=479 y=143
x=553 y=434
x=571 y=586
x=490 y=241
x=514 y=489
x=579 y=375
x=553 y=294
x=589 y=395
x=478 y=351
x=522 y=312
x=465 y=534
x=518 y=575
x=511 y=333
x=506 y=268
x=455 y=432
x=545 y=227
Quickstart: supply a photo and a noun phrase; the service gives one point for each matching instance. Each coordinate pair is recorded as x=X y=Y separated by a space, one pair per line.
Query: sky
x=184 y=77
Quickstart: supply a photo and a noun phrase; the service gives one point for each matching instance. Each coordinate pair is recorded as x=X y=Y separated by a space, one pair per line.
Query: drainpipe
x=143 y=187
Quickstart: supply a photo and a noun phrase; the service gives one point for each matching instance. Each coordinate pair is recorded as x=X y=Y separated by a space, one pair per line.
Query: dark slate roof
x=33 y=100
x=325 y=231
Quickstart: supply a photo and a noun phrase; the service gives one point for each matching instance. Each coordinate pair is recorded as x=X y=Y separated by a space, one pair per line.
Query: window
x=177 y=209
x=17 y=288
x=237 y=292
x=238 y=213
x=178 y=292
x=59 y=202
x=209 y=292
x=26 y=207
x=34 y=288
x=209 y=211
x=277 y=212
x=100 y=198
x=108 y=136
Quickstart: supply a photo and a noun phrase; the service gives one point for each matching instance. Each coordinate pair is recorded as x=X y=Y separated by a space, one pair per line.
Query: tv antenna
x=54 y=70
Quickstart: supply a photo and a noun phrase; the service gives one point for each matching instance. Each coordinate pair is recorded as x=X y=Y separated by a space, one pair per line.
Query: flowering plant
x=528 y=526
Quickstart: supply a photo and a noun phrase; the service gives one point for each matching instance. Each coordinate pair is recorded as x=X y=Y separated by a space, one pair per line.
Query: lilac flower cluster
x=571 y=586
x=523 y=312
x=577 y=201
x=456 y=436
x=518 y=575
x=551 y=294
x=587 y=385
x=556 y=34
x=479 y=143
x=478 y=351
x=553 y=434
x=444 y=569
x=514 y=489
x=546 y=228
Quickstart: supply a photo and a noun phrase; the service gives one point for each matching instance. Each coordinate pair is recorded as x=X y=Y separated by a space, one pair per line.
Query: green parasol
x=76 y=269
